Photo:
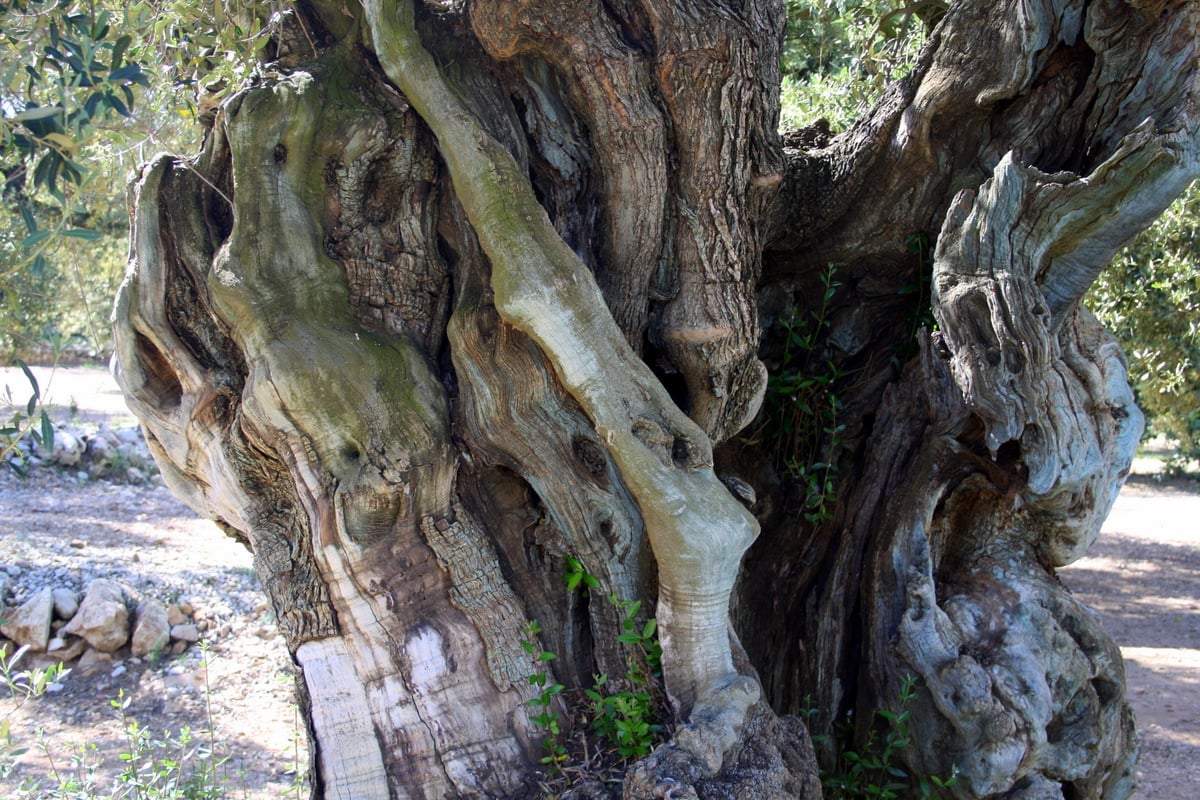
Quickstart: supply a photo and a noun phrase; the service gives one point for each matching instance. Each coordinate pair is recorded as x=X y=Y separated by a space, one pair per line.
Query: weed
x=627 y=717
x=577 y=576
x=547 y=717
x=803 y=407
x=29 y=420
x=873 y=769
x=182 y=765
x=25 y=685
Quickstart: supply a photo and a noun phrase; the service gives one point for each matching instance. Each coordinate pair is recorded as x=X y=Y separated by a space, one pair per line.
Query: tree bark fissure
x=476 y=288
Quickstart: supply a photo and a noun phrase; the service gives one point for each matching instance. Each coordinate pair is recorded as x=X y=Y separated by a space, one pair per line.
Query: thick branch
x=697 y=530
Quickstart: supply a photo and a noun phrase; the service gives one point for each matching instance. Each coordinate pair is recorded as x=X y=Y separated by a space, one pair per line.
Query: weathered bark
x=419 y=323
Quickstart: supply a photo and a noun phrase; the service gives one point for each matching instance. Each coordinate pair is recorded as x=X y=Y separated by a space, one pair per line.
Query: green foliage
x=28 y=420
x=873 y=769
x=70 y=72
x=1150 y=299
x=67 y=72
x=546 y=718
x=803 y=407
x=85 y=88
x=577 y=576
x=626 y=715
x=839 y=54
x=624 y=712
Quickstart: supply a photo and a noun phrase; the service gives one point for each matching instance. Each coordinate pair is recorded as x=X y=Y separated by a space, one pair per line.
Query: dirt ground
x=56 y=527
x=1142 y=576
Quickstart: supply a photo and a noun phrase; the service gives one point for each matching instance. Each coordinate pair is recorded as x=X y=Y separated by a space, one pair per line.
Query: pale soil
x=1143 y=576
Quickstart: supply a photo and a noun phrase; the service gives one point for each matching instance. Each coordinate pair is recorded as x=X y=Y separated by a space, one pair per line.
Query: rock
x=65 y=649
x=102 y=619
x=29 y=623
x=152 y=631
x=66 y=451
x=6 y=584
x=185 y=633
x=66 y=603
x=135 y=475
x=175 y=615
x=78 y=544
x=93 y=660
x=99 y=447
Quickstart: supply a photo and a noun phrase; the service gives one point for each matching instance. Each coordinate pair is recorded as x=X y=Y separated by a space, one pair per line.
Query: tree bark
x=460 y=294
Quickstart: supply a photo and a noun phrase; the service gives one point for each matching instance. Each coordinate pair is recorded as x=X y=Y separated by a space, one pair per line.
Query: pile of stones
x=109 y=623
x=105 y=452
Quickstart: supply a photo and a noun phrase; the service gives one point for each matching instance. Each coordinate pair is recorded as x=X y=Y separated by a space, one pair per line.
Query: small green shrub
x=803 y=408
x=873 y=769
x=546 y=718
x=627 y=716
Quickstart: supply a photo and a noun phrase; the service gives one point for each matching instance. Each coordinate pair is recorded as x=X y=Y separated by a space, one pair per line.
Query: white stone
x=152 y=631
x=129 y=435
x=102 y=619
x=66 y=603
x=64 y=649
x=66 y=450
x=99 y=447
x=29 y=623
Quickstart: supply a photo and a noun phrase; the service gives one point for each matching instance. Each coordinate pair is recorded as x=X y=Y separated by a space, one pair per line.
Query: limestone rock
x=102 y=619
x=93 y=660
x=66 y=603
x=29 y=623
x=175 y=615
x=66 y=451
x=64 y=649
x=152 y=631
x=185 y=633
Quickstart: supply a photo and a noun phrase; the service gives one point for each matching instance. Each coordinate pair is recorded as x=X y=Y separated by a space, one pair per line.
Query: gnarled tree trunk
x=460 y=294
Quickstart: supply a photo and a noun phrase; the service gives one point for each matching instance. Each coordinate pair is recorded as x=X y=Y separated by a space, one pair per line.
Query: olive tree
x=459 y=296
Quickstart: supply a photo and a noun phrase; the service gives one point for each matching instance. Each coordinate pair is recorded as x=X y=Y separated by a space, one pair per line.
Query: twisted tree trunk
x=461 y=294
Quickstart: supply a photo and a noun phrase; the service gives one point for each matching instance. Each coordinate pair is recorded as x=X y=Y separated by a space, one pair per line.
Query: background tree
x=87 y=91
x=422 y=321
x=1150 y=299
